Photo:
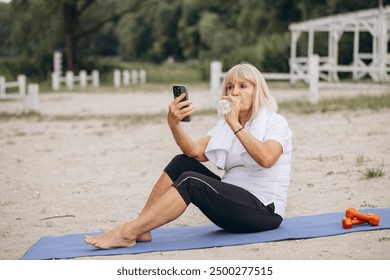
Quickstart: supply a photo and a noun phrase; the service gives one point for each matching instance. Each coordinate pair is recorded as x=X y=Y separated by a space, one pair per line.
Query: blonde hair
x=262 y=96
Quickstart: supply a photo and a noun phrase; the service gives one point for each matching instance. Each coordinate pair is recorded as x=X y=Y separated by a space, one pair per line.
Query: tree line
x=154 y=31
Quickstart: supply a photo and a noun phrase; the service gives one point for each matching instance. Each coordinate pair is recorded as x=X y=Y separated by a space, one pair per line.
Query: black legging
x=229 y=207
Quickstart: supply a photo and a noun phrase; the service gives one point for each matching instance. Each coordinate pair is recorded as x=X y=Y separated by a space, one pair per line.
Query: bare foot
x=112 y=239
x=146 y=237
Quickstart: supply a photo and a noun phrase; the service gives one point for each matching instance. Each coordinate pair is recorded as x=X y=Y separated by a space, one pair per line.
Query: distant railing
x=310 y=76
x=32 y=97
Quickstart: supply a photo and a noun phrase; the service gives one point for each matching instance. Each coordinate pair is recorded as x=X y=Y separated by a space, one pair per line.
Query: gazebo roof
x=348 y=21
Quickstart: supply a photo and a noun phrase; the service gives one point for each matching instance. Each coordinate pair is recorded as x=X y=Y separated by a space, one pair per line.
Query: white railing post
x=69 y=80
x=57 y=62
x=313 y=74
x=117 y=78
x=95 y=78
x=55 y=81
x=32 y=100
x=2 y=86
x=134 y=76
x=142 y=76
x=126 y=77
x=215 y=79
x=83 y=78
x=22 y=85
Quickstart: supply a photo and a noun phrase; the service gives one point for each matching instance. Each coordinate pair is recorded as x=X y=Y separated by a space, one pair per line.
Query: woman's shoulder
x=270 y=117
x=279 y=118
x=276 y=121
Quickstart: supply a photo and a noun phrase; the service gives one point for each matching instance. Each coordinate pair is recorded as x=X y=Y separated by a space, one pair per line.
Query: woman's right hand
x=178 y=110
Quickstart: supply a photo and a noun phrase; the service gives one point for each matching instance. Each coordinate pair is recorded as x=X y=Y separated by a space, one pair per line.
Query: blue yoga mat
x=197 y=237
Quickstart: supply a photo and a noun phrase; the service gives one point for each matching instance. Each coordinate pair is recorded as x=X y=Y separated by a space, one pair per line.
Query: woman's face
x=242 y=89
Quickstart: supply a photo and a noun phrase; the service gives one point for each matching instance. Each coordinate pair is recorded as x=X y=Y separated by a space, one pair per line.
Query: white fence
x=70 y=79
x=32 y=97
x=127 y=77
x=20 y=84
x=311 y=76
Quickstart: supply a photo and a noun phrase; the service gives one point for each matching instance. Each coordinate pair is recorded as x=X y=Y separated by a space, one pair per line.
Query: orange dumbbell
x=348 y=222
x=372 y=219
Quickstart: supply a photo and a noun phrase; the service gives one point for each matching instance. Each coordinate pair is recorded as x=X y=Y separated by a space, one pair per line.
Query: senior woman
x=252 y=143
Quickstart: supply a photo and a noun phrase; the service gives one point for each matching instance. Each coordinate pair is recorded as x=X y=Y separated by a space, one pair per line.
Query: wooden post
x=32 y=100
x=215 y=79
x=57 y=63
x=69 y=80
x=134 y=76
x=95 y=78
x=126 y=77
x=2 y=86
x=117 y=78
x=83 y=78
x=142 y=76
x=55 y=81
x=22 y=85
x=314 y=61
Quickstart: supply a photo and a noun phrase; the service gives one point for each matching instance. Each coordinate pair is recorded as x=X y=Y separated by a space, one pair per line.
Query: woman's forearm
x=177 y=111
x=194 y=149
x=185 y=143
x=265 y=153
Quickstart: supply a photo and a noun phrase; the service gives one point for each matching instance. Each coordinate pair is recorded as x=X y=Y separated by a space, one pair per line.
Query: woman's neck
x=244 y=117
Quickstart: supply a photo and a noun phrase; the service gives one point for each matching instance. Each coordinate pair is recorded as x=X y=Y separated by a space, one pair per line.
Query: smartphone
x=177 y=91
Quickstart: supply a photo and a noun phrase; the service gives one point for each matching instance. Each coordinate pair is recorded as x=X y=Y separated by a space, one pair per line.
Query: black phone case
x=177 y=91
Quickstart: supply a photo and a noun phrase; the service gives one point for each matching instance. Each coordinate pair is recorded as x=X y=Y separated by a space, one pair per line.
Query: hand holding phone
x=177 y=91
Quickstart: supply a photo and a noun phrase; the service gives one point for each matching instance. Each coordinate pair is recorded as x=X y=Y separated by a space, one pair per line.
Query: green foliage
x=156 y=31
x=5 y=29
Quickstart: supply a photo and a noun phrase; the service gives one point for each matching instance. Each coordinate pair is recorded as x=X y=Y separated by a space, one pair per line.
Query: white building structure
x=376 y=64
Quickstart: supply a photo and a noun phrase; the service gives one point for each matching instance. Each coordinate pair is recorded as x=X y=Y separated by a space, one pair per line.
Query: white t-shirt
x=268 y=185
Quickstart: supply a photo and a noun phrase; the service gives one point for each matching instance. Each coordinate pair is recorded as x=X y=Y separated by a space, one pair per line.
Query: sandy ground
x=79 y=175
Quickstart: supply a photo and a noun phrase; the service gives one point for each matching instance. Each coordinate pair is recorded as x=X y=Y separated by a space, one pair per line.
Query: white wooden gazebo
x=376 y=64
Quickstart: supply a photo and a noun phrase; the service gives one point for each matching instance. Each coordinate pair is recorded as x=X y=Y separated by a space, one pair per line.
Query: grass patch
x=131 y=118
x=362 y=102
x=360 y=159
x=369 y=205
x=372 y=173
x=4 y=116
